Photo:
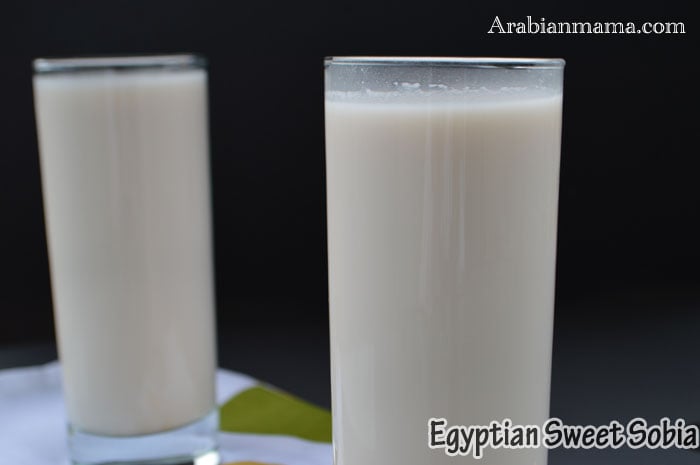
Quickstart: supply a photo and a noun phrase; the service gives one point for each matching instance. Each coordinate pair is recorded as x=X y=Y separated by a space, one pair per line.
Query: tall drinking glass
x=124 y=164
x=442 y=187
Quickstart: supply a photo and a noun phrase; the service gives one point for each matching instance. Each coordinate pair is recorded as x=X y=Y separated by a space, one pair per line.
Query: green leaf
x=262 y=410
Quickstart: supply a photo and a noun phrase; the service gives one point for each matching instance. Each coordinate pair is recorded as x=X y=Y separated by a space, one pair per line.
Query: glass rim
x=448 y=62
x=124 y=63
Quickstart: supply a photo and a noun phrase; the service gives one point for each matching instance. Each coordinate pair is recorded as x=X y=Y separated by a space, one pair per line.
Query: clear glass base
x=194 y=443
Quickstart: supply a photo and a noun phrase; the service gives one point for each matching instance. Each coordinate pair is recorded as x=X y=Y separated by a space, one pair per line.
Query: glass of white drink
x=124 y=162
x=442 y=189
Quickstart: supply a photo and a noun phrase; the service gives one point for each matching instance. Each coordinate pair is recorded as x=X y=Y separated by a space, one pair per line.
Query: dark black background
x=630 y=198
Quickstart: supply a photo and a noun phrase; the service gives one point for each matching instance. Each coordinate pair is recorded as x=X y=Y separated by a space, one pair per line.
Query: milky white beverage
x=442 y=183
x=124 y=164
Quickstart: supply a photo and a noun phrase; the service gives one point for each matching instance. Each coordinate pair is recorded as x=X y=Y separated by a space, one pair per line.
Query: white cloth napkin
x=33 y=423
